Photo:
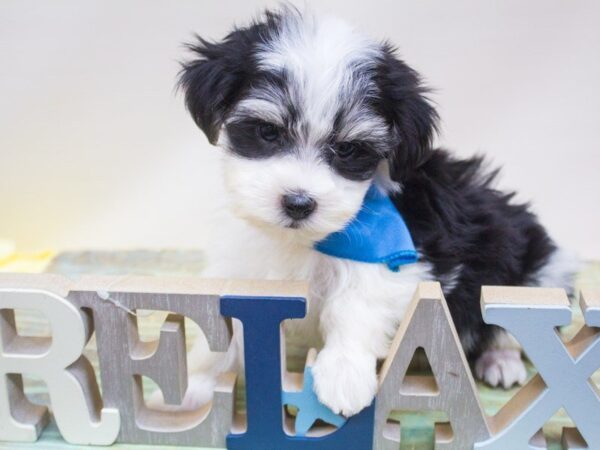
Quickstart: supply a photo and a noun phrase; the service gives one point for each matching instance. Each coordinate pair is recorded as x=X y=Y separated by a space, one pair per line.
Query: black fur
x=403 y=102
x=456 y=217
x=358 y=165
x=221 y=72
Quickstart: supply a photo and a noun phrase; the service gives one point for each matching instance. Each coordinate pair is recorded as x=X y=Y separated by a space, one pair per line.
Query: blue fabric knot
x=377 y=235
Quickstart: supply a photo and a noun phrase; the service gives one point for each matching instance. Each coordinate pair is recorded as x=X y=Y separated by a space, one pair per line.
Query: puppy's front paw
x=346 y=385
x=501 y=367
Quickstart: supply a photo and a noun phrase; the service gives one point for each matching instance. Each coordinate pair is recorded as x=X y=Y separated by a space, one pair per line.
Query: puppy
x=310 y=114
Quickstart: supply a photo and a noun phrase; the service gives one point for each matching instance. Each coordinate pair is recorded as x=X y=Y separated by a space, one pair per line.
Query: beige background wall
x=96 y=150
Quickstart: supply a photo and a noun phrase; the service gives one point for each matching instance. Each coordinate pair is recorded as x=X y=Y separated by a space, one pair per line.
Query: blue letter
x=262 y=319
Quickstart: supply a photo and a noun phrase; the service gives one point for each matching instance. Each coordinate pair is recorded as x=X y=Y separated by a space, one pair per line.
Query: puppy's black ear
x=405 y=104
x=215 y=79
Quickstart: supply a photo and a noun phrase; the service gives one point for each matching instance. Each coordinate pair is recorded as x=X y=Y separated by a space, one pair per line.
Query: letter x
x=531 y=315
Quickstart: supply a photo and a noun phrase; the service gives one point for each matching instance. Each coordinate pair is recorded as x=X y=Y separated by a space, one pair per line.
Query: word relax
x=75 y=309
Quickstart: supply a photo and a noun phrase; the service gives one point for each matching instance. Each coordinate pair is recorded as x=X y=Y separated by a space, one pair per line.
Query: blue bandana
x=378 y=235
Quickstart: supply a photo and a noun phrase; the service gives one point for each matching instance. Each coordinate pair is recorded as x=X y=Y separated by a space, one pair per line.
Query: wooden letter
x=531 y=315
x=58 y=361
x=262 y=319
x=124 y=358
x=428 y=325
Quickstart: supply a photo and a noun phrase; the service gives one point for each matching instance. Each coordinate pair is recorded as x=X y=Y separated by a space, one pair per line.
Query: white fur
x=321 y=56
x=502 y=363
x=353 y=307
x=559 y=270
x=450 y=280
x=501 y=367
x=257 y=186
x=260 y=108
x=383 y=180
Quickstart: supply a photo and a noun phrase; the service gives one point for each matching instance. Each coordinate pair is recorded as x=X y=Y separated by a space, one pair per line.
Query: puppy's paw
x=345 y=385
x=199 y=392
x=501 y=367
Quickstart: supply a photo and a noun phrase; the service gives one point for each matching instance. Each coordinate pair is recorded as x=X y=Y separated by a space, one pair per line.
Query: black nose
x=298 y=205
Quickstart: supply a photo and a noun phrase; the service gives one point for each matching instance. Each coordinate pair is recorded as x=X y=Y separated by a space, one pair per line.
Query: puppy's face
x=310 y=113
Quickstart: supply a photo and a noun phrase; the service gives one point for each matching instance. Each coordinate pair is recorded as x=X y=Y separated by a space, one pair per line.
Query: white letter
x=57 y=361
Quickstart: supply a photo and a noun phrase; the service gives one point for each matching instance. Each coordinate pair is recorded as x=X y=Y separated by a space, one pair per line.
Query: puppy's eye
x=345 y=150
x=269 y=132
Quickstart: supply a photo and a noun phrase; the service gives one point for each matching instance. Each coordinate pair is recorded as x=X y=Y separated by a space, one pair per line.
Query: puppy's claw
x=501 y=367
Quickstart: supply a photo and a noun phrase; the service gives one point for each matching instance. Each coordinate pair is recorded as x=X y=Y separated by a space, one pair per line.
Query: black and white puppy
x=310 y=113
